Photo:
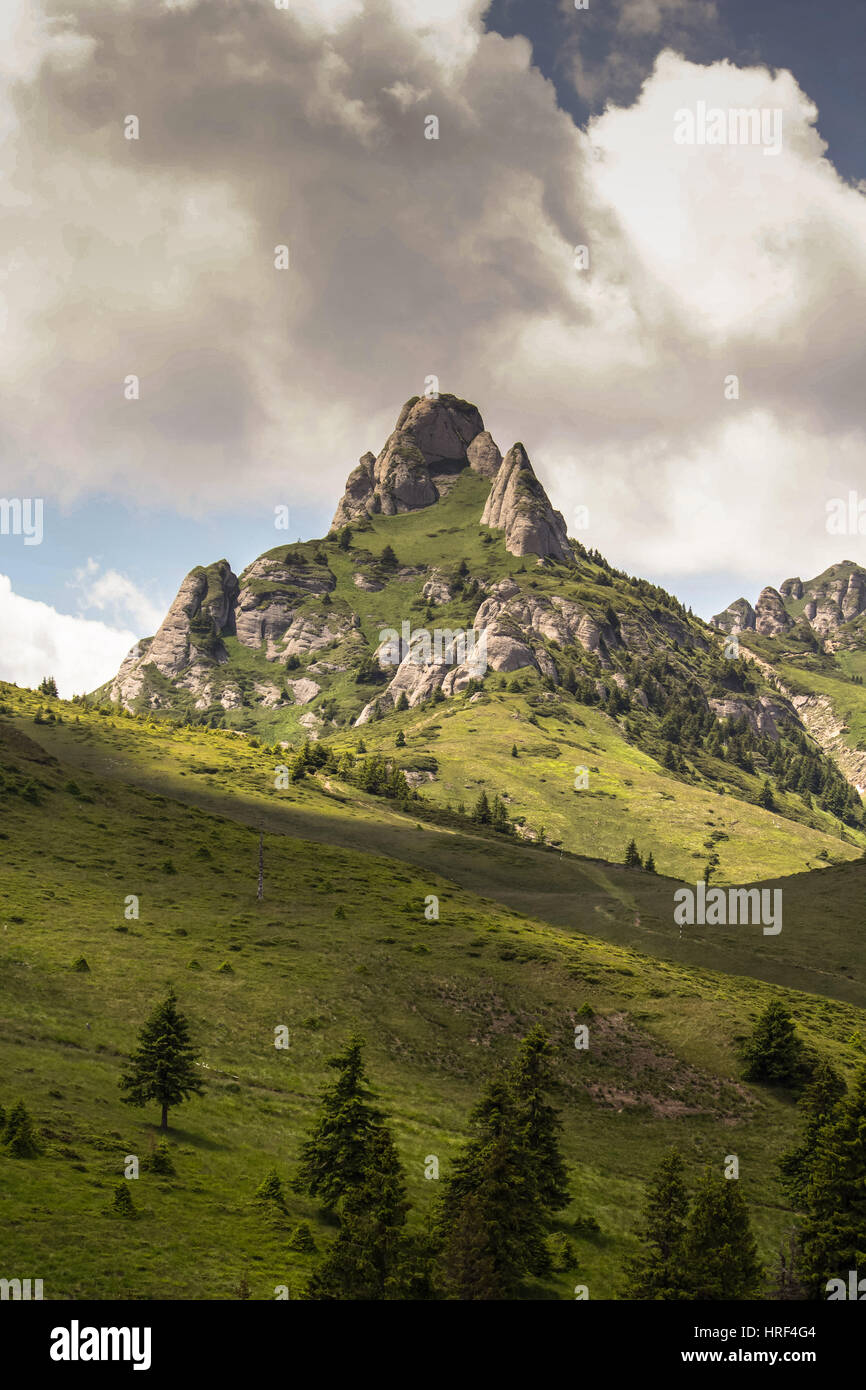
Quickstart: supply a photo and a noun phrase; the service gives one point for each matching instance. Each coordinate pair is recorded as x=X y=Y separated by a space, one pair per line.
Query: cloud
x=38 y=641
x=117 y=596
x=412 y=256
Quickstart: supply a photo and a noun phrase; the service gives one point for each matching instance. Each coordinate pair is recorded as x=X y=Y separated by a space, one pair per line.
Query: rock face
x=792 y=588
x=739 y=616
x=270 y=593
x=427 y=448
x=190 y=634
x=764 y=717
x=771 y=616
x=519 y=506
x=483 y=455
x=834 y=598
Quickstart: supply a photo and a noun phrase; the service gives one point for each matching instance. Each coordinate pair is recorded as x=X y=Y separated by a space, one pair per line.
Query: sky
x=668 y=313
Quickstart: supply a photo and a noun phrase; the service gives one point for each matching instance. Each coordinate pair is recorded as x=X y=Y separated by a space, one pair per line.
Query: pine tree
x=491 y=1222
x=163 y=1066
x=400 y=741
x=659 y=1271
x=514 y=755
x=402 y=702
x=774 y=1053
x=123 y=1203
x=650 y=865
x=161 y=1161
x=333 y=1159
x=481 y=813
x=370 y=1258
x=721 y=1256
x=833 y=1233
x=766 y=798
x=270 y=1189
x=19 y=1137
x=632 y=856
x=531 y=1078
x=819 y=1105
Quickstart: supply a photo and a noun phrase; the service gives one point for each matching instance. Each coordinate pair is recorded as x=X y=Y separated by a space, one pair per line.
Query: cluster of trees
x=491 y=1226
x=825 y=1178
x=824 y=1173
x=703 y=1249
x=492 y=813
x=634 y=859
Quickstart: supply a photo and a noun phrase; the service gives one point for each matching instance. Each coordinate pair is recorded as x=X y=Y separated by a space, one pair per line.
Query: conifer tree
x=481 y=813
x=333 y=1159
x=721 y=1256
x=162 y=1068
x=658 y=1272
x=19 y=1137
x=270 y=1189
x=650 y=865
x=833 y=1233
x=774 y=1053
x=123 y=1203
x=161 y=1160
x=491 y=1217
x=531 y=1078
x=766 y=798
x=632 y=856
x=818 y=1105
x=372 y=1256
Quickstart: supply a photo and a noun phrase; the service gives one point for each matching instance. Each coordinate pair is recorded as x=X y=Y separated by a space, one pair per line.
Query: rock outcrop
x=739 y=616
x=519 y=506
x=189 y=635
x=421 y=457
x=771 y=616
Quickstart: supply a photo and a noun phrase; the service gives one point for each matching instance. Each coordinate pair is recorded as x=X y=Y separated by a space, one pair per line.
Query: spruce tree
x=766 y=798
x=531 y=1078
x=162 y=1068
x=270 y=1189
x=650 y=865
x=721 y=1256
x=818 y=1105
x=161 y=1160
x=334 y=1158
x=833 y=1233
x=659 y=1271
x=371 y=1257
x=774 y=1053
x=19 y=1137
x=481 y=813
x=632 y=856
x=123 y=1203
x=491 y=1217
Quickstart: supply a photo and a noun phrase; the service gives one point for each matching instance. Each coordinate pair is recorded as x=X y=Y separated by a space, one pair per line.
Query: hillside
x=112 y=805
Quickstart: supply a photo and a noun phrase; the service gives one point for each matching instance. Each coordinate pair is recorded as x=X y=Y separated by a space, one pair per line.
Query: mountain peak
x=427 y=448
x=519 y=506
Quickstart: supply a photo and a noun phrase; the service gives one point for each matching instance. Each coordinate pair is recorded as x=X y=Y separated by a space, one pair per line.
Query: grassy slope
x=440 y=1003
